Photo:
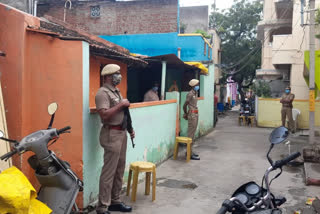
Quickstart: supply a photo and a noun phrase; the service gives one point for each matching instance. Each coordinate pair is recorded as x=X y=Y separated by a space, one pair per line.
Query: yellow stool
x=252 y=120
x=243 y=118
x=185 y=140
x=136 y=168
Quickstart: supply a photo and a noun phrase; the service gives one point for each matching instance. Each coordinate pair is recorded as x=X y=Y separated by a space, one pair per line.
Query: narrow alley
x=230 y=156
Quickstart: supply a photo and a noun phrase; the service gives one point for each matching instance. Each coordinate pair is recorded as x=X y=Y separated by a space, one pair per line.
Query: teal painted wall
x=155 y=135
x=206 y=106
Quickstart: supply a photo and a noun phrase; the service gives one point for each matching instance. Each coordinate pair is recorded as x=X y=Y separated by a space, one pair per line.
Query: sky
x=221 y=4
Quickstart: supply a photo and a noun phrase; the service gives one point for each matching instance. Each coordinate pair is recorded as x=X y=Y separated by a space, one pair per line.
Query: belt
x=116 y=127
x=194 y=111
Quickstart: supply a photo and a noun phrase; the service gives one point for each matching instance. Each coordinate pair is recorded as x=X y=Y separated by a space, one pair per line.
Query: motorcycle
x=254 y=199
x=246 y=110
x=59 y=184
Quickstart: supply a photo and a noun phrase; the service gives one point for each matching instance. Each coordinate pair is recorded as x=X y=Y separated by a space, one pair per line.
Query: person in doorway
x=113 y=139
x=152 y=94
x=191 y=112
x=174 y=87
x=286 y=111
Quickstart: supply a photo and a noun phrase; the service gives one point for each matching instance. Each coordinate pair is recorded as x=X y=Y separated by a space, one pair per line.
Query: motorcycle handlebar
x=8 y=155
x=280 y=163
x=222 y=210
x=59 y=131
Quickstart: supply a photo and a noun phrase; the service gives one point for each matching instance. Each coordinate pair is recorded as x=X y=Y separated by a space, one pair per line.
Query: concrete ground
x=230 y=156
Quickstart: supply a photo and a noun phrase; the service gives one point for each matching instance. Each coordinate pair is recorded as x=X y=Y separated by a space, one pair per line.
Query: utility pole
x=312 y=74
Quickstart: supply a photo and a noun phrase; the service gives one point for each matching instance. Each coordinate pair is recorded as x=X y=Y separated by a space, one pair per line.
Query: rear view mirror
x=279 y=135
x=1 y=134
x=52 y=108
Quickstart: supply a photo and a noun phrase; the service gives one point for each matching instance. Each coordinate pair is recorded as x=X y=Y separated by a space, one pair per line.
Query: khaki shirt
x=192 y=100
x=106 y=98
x=287 y=97
x=151 y=96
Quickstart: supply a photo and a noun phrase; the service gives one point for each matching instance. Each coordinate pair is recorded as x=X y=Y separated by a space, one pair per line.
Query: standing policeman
x=286 y=111
x=113 y=139
x=191 y=114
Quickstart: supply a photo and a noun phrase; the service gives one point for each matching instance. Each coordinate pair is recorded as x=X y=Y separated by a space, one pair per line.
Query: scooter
x=246 y=111
x=59 y=184
x=254 y=199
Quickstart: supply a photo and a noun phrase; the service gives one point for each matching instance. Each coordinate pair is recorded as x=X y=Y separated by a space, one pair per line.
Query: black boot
x=194 y=157
x=120 y=207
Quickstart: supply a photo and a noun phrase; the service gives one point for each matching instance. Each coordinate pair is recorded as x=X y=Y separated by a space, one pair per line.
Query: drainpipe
x=65 y=9
x=163 y=78
x=301 y=11
x=179 y=53
x=35 y=8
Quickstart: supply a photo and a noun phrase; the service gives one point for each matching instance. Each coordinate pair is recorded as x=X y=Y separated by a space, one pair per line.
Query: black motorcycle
x=254 y=199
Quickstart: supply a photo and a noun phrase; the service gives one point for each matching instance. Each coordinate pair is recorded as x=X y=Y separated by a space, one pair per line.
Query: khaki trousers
x=287 y=112
x=114 y=143
x=192 y=126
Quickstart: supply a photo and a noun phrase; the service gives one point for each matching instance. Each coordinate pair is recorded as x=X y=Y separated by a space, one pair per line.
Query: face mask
x=116 y=79
x=287 y=91
x=155 y=88
x=196 y=88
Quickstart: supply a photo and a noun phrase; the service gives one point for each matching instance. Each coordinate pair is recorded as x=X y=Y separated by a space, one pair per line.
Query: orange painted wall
x=95 y=63
x=12 y=40
x=38 y=70
x=53 y=73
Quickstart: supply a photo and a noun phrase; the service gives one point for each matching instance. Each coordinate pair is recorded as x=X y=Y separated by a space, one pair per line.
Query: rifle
x=128 y=122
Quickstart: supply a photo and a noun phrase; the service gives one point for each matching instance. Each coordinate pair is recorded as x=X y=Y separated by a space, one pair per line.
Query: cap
x=110 y=69
x=193 y=82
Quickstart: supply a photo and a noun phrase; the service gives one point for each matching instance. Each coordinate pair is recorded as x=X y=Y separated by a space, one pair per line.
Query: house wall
x=147 y=44
x=193 y=46
x=286 y=48
x=132 y=17
x=31 y=81
x=269 y=113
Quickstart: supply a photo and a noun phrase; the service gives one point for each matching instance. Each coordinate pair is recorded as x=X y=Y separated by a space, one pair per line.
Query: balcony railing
x=268 y=72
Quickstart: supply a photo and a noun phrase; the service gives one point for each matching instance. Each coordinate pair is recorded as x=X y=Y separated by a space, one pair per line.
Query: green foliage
x=317 y=16
x=183 y=27
x=204 y=34
x=237 y=29
x=261 y=89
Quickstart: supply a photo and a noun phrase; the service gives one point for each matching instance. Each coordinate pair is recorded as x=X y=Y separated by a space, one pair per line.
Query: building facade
x=109 y=17
x=284 y=41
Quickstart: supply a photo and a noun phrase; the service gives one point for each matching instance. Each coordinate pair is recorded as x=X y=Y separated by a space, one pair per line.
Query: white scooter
x=59 y=184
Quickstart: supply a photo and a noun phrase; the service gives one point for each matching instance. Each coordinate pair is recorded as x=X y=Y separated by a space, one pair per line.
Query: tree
x=241 y=50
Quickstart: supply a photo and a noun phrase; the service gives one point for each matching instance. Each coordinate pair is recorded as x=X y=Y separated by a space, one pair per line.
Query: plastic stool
x=136 y=168
x=252 y=120
x=185 y=140
x=243 y=118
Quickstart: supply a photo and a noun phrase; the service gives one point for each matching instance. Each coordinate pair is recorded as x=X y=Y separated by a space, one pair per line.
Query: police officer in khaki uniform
x=191 y=112
x=286 y=111
x=113 y=139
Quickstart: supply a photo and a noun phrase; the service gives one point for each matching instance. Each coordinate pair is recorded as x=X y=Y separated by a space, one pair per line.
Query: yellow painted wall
x=269 y=114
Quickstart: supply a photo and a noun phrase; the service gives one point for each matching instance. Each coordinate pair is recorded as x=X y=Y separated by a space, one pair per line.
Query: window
x=95 y=11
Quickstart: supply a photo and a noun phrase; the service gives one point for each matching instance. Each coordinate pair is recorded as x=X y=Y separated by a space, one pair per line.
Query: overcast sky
x=221 y=4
